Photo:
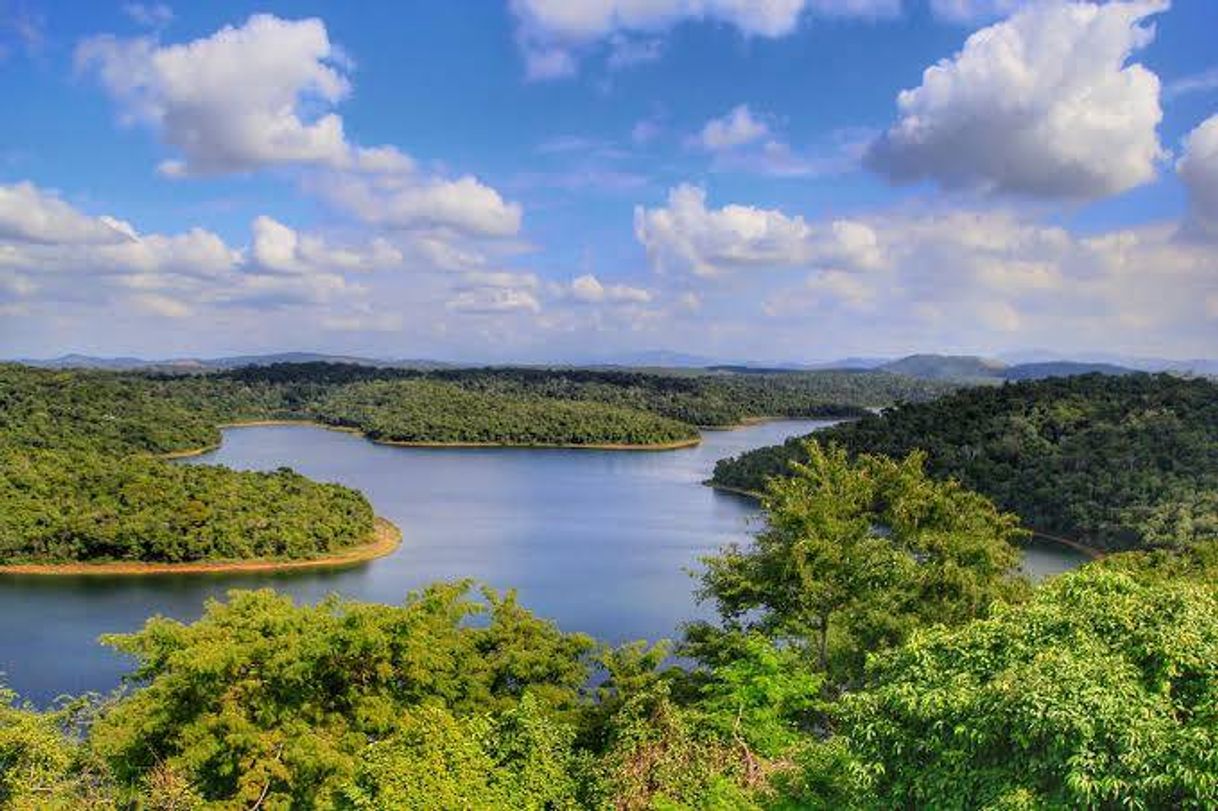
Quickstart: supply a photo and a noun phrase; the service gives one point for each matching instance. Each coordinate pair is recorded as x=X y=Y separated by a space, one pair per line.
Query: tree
x=263 y=701
x=855 y=554
x=1101 y=692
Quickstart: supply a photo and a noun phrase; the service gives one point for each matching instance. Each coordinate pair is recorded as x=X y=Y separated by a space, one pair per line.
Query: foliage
x=876 y=648
x=520 y=759
x=42 y=768
x=264 y=699
x=85 y=506
x=1116 y=462
x=695 y=397
x=96 y=411
x=1100 y=692
x=426 y=411
x=855 y=554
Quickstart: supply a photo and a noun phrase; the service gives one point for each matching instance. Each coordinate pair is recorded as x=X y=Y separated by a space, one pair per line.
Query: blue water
x=600 y=541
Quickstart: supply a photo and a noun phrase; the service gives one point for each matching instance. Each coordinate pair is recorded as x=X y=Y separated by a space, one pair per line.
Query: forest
x=1112 y=462
x=874 y=648
x=80 y=481
x=76 y=506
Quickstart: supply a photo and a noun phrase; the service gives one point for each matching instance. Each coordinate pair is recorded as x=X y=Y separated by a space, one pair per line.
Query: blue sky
x=542 y=180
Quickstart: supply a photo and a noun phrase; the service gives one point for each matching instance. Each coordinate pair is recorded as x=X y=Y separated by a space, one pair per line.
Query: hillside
x=1114 y=462
x=976 y=370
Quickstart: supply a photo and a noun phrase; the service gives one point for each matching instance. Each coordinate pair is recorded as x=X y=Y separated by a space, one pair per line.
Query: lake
x=600 y=541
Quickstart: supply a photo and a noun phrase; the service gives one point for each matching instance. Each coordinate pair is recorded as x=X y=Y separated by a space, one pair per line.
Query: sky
x=585 y=180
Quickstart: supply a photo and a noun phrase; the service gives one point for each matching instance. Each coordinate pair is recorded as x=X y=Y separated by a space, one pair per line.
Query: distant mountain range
x=972 y=367
x=963 y=368
x=216 y=364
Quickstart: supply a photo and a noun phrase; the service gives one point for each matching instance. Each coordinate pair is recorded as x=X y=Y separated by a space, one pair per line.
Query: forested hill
x=1115 y=462
x=157 y=413
x=79 y=482
x=695 y=397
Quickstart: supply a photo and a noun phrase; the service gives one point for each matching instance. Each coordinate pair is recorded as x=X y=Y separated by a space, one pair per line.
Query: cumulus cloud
x=736 y=128
x=61 y=254
x=263 y=94
x=281 y=249
x=489 y=300
x=590 y=290
x=554 y=34
x=975 y=279
x=30 y=214
x=397 y=200
x=1041 y=104
x=233 y=101
x=495 y=292
x=686 y=236
x=1198 y=168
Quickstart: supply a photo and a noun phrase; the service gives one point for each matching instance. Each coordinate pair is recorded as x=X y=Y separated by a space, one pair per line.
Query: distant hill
x=76 y=361
x=967 y=369
x=946 y=367
x=975 y=369
x=1060 y=368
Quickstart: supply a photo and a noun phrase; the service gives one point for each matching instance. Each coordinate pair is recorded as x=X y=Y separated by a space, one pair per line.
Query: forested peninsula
x=1113 y=462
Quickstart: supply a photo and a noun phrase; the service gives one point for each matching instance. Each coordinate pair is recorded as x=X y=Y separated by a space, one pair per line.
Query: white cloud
x=62 y=256
x=407 y=201
x=30 y=214
x=1198 y=169
x=278 y=248
x=554 y=34
x=1041 y=104
x=233 y=101
x=157 y=304
x=736 y=128
x=263 y=94
x=685 y=235
x=975 y=279
x=490 y=300
x=501 y=279
x=590 y=290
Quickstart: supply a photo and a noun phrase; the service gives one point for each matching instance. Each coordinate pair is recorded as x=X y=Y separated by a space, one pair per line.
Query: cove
x=600 y=541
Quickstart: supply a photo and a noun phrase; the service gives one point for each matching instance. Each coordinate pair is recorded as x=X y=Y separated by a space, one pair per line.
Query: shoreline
x=386 y=537
x=1082 y=548
x=677 y=444
x=600 y=446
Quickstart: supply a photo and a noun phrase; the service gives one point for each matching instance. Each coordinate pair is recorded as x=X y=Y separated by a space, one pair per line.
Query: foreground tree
x=857 y=553
x=264 y=702
x=1101 y=692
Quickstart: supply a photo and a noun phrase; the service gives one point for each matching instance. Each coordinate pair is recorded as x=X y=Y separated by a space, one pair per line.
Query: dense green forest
x=157 y=413
x=874 y=649
x=1114 y=462
x=79 y=481
x=85 y=506
x=431 y=411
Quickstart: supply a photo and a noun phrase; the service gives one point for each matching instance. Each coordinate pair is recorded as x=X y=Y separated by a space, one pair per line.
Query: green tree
x=855 y=554
x=1101 y=692
x=263 y=701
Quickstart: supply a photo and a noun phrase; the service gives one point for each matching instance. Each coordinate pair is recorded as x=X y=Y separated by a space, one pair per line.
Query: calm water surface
x=601 y=541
